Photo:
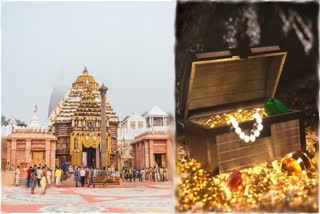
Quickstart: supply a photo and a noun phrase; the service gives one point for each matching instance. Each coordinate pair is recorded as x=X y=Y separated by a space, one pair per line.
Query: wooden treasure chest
x=224 y=107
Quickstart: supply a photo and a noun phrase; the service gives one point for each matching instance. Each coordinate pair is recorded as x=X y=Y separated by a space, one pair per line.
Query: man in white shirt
x=82 y=174
x=39 y=173
x=17 y=175
x=70 y=172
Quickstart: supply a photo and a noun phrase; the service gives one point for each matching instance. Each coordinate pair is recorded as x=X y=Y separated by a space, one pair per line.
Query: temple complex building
x=129 y=128
x=5 y=131
x=76 y=122
x=30 y=145
x=151 y=147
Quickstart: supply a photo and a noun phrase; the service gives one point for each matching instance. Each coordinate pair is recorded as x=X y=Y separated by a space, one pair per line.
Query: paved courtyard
x=128 y=197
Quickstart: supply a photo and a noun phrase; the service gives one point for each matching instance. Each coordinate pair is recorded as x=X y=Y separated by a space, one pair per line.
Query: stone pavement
x=128 y=197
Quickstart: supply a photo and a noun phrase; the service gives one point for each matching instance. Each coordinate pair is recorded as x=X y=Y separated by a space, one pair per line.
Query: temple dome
x=85 y=81
x=34 y=121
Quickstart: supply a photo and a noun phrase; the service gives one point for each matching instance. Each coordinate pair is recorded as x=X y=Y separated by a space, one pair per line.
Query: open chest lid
x=225 y=80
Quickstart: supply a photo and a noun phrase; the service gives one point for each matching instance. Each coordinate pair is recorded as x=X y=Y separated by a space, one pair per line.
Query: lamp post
x=103 y=90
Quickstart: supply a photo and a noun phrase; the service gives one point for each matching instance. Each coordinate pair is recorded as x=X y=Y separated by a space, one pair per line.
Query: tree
x=4 y=121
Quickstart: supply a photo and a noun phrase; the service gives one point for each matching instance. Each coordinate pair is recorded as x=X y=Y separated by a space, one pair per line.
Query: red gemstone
x=234 y=181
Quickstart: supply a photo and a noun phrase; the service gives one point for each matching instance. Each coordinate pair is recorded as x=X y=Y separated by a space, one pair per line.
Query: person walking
x=17 y=176
x=134 y=173
x=91 y=179
x=130 y=174
x=70 y=172
x=139 y=174
x=39 y=171
x=126 y=174
x=43 y=181
x=34 y=171
x=33 y=181
x=58 y=175
x=147 y=174
x=142 y=175
x=161 y=174
x=157 y=174
x=82 y=175
x=122 y=172
x=48 y=175
x=76 y=176
x=153 y=174
x=104 y=175
x=165 y=174
x=86 y=178
x=29 y=176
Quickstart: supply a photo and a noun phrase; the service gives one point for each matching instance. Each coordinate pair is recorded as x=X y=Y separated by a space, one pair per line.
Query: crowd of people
x=40 y=176
x=155 y=174
x=84 y=175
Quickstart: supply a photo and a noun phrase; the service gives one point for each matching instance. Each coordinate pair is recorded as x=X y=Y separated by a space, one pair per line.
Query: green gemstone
x=274 y=106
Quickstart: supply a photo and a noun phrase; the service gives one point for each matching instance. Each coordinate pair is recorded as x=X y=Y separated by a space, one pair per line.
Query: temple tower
x=78 y=121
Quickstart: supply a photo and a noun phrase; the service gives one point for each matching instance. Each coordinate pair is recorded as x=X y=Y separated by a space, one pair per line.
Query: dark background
x=201 y=27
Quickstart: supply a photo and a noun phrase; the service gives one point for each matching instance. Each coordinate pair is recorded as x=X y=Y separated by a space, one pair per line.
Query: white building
x=129 y=127
x=136 y=124
x=156 y=119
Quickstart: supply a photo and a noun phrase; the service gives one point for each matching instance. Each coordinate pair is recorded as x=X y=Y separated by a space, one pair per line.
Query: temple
x=30 y=145
x=152 y=147
x=76 y=122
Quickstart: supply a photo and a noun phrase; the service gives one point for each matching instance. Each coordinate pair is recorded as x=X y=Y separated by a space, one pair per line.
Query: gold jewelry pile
x=262 y=188
x=240 y=115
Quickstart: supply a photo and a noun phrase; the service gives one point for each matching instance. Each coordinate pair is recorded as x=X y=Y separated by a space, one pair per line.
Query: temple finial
x=85 y=71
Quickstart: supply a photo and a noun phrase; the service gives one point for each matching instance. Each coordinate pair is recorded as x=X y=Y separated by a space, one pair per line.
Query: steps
x=23 y=181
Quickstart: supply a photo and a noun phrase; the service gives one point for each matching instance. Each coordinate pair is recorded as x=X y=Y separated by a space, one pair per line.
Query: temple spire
x=34 y=120
x=85 y=71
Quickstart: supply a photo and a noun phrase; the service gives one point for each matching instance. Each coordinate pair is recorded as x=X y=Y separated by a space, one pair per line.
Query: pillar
x=134 y=148
x=137 y=154
x=146 y=152
x=151 y=158
x=9 y=143
x=143 y=164
x=170 y=161
x=103 y=90
x=98 y=156
x=141 y=154
x=53 y=155
x=28 y=150
x=47 y=158
x=14 y=153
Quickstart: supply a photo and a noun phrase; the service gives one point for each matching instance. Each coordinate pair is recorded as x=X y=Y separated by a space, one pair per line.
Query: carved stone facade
x=26 y=147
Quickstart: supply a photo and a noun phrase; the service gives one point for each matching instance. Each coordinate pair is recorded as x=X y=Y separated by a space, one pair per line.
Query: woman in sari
x=43 y=182
x=48 y=174
x=33 y=181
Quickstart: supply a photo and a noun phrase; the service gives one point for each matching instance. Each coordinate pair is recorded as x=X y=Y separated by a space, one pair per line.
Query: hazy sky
x=129 y=46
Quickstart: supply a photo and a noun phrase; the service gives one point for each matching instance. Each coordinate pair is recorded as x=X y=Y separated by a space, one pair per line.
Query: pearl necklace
x=255 y=131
